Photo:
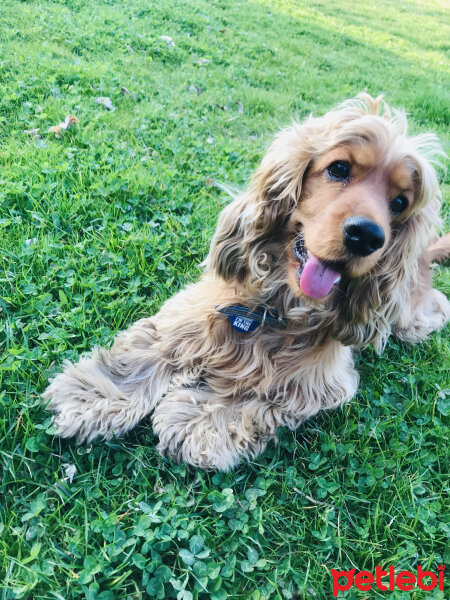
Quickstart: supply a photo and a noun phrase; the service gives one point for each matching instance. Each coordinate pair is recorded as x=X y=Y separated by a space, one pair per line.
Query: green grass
x=100 y=227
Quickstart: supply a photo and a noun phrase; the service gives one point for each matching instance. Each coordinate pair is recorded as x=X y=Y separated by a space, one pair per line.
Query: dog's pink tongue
x=317 y=279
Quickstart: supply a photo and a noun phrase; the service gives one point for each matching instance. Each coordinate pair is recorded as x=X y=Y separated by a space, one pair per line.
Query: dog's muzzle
x=316 y=277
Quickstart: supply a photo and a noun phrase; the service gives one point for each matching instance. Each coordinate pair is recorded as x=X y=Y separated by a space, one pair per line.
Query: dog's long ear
x=260 y=214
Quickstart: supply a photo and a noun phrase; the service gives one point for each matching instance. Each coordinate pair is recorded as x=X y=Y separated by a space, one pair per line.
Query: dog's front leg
x=197 y=425
x=109 y=392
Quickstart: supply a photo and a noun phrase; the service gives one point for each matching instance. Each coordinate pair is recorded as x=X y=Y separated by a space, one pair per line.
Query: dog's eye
x=398 y=205
x=339 y=170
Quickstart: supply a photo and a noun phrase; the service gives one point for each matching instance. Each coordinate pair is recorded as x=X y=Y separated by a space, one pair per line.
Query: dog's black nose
x=362 y=236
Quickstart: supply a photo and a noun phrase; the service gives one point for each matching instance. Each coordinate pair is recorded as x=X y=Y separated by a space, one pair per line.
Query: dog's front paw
x=87 y=404
x=77 y=405
x=431 y=315
x=195 y=427
x=187 y=434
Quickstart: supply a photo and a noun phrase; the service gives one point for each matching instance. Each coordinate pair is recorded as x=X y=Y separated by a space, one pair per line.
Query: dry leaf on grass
x=196 y=89
x=70 y=472
x=34 y=133
x=105 y=101
x=68 y=122
x=166 y=38
x=57 y=130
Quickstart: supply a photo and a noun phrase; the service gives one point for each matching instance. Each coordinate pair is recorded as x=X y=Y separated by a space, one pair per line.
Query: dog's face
x=352 y=197
x=345 y=197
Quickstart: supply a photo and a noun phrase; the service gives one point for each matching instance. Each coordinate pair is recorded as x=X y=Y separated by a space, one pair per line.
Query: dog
x=329 y=250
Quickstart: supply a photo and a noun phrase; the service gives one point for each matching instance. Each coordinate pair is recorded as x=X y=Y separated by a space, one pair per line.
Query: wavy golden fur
x=216 y=395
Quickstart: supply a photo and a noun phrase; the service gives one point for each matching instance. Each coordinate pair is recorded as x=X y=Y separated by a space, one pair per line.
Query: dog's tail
x=439 y=251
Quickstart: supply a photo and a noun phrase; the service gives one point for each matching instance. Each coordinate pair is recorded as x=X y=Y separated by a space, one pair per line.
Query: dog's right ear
x=259 y=215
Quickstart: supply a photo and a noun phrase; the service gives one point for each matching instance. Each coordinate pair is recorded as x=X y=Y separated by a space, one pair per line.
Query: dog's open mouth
x=316 y=277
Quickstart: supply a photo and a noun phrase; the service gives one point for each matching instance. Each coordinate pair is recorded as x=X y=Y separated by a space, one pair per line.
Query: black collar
x=245 y=320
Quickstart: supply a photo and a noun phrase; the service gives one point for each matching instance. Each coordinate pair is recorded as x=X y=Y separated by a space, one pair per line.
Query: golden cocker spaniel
x=328 y=250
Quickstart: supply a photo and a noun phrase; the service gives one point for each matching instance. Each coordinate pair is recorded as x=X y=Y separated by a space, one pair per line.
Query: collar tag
x=243 y=324
x=244 y=320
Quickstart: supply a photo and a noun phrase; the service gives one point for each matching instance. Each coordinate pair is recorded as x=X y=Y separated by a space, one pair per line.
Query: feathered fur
x=216 y=395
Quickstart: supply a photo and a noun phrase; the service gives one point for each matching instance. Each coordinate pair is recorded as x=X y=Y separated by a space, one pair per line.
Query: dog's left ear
x=259 y=215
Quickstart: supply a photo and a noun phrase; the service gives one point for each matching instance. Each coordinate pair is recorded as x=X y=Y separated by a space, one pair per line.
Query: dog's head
x=337 y=214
